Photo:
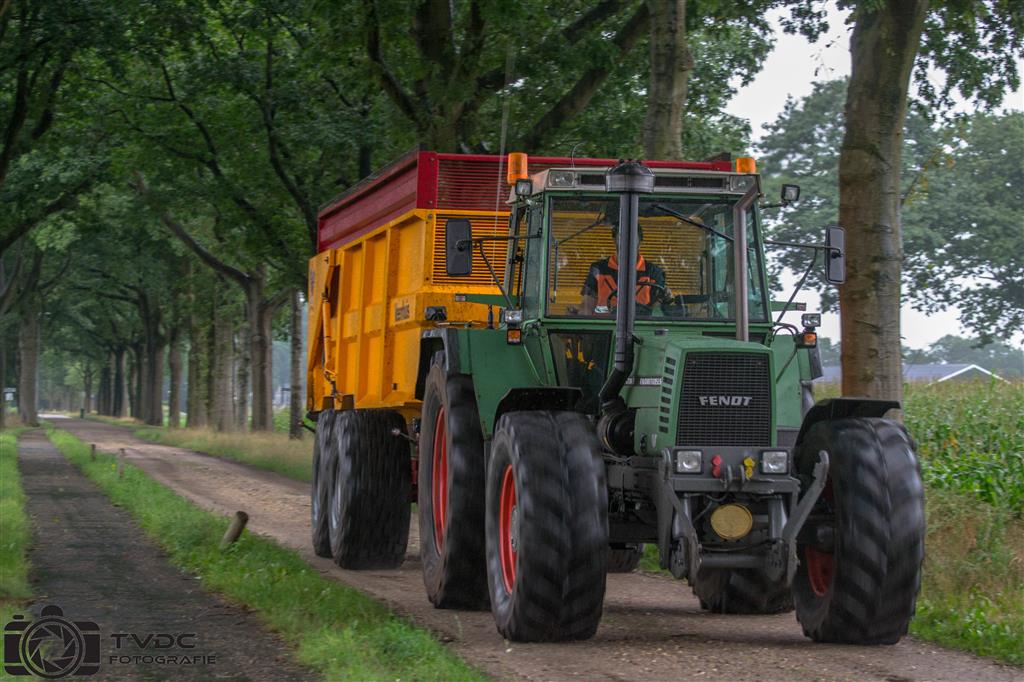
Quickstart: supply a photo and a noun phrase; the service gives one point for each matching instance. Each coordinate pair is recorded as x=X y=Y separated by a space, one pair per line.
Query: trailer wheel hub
x=732 y=521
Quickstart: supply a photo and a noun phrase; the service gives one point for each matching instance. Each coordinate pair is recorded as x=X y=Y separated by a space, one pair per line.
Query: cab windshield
x=684 y=271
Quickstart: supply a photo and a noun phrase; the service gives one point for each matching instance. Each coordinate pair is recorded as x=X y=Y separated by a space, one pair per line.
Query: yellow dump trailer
x=379 y=279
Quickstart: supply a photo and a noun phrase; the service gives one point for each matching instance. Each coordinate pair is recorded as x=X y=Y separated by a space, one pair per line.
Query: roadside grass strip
x=265 y=450
x=972 y=596
x=336 y=630
x=14 y=530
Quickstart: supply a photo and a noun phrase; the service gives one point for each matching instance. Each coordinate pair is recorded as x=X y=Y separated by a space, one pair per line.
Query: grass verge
x=270 y=450
x=972 y=596
x=14 y=529
x=336 y=630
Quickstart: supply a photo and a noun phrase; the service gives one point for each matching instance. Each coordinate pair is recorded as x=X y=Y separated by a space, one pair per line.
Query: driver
x=600 y=289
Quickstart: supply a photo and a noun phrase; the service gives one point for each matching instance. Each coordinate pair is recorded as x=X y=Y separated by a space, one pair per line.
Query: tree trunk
x=87 y=386
x=28 y=354
x=121 y=382
x=174 y=366
x=671 y=64
x=3 y=381
x=242 y=349
x=138 y=371
x=104 y=395
x=883 y=47
x=221 y=417
x=197 y=362
x=262 y=370
x=296 y=399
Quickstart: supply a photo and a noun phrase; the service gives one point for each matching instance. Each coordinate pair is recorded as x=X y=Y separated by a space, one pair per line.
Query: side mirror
x=790 y=194
x=835 y=255
x=458 y=235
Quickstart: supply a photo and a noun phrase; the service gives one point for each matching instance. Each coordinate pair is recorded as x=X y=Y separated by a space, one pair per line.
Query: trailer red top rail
x=428 y=180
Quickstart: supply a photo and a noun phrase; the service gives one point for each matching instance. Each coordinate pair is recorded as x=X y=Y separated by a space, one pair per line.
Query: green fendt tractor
x=658 y=404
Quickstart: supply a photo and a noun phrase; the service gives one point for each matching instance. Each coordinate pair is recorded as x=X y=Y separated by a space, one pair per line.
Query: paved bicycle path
x=90 y=559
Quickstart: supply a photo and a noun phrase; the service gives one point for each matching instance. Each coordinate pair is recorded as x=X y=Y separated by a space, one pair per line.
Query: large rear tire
x=863 y=589
x=324 y=463
x=546 y=526
x=741 y=591
x=625 y=558
x=369 y=509
x=451 y=494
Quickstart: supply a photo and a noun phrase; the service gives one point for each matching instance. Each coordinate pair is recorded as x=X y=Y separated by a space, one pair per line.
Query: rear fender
x=559 y=398
x=843 y=408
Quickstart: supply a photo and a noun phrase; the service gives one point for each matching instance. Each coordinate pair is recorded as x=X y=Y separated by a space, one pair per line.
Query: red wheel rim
x=439 y=479
x=507 y=542
x=820 y=568
x=821 y=565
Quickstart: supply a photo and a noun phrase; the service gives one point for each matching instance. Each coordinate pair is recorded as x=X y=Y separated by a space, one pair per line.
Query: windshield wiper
x=685 y=219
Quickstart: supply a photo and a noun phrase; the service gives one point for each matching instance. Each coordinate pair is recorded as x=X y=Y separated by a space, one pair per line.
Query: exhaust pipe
x=629 y=179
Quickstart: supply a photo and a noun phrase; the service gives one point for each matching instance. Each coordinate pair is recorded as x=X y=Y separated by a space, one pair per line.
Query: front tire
x=741 y=591
x=369 y=510
x=324 y=464
x=546 y=527
x=451 y=494
x=625 y=559
x=863 y=589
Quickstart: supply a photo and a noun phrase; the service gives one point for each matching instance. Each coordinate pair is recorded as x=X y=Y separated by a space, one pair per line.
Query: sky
x=789 y=72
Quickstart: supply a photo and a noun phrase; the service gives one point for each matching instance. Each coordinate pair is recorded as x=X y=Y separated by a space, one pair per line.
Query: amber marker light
x=517 y=167
x=514 y=337
x=746 y=164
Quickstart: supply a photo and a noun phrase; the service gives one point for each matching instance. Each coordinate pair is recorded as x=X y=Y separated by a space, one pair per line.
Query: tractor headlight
x=688 y=461
x=774 y=462
x=741 y=183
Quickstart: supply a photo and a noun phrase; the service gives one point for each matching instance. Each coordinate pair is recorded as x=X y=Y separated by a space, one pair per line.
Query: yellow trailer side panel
x=368 y=301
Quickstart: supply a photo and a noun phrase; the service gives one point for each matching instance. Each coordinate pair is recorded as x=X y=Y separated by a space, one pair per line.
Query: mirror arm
x=490 y=268
x=799 y=286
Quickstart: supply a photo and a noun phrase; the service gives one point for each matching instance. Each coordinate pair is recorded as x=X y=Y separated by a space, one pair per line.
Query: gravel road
x=653 y=628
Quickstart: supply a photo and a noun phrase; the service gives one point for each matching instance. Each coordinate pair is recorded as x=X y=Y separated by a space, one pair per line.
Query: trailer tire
x=546 y=527
x=741 y=591
x=324 y=462
x=451 y=504
x=625 y=559
x=369 y=513
x=864 y=591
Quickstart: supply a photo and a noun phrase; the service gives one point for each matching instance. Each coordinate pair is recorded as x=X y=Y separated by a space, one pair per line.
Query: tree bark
x=883 y=48
x=262 y=366
x=196 y=403
x=28 y=362
x=3 y=381
x=671 y=64
x=138 y=369
x=121 y=383
x=105 y=393
x=221 y=417
x=174 y=362
x=87 y=387
x=295 y=396
x=242 y=353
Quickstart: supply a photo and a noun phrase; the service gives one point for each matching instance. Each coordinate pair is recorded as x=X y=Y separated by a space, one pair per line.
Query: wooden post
x=92 y=451
x=120 y=464
x=235 y=529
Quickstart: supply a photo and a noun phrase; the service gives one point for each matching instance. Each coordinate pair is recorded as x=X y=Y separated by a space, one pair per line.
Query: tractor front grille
x=726 y=400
